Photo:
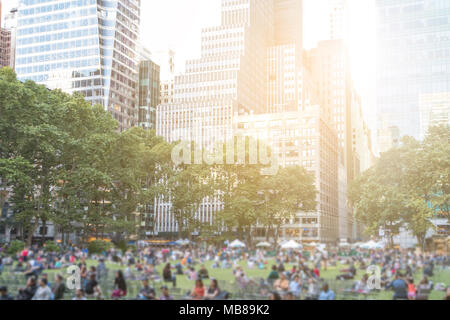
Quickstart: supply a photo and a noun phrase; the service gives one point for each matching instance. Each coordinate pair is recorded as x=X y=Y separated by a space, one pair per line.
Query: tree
x=399 y=189
x=29 y=131
x=188 y=186
x=284 y=195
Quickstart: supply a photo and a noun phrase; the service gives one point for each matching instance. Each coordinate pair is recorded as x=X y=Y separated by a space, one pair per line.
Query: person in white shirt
x=43 y=292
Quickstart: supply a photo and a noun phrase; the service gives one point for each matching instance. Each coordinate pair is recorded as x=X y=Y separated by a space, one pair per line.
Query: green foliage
x=50 y=246
x=397 y=191
x=15 y=246
x=66 y=162
x=99 y=246
x=122 y=246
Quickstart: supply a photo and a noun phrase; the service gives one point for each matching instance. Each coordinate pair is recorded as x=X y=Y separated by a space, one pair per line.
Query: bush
x=98 y=246
x=50 y=246
x=15 y=246
x=122 y=246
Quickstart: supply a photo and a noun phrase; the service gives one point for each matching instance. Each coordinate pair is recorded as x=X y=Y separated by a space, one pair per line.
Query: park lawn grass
x=227 y=281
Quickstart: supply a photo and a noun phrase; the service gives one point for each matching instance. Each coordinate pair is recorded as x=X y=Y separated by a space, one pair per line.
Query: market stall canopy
x=291 y=245
x=372 y=245
x=237 y=244
x=263 y=245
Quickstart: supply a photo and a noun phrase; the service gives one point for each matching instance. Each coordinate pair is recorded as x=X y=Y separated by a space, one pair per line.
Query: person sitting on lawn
x=313 y=290
x=326 y=293
x=273 y=275
x=348 y=274
x=400 y=288
x=282 y=284
x=192 y=275
x=203 y=273
x=213 y=290
x=146 y=292
x=362 y=286
x=198 y=292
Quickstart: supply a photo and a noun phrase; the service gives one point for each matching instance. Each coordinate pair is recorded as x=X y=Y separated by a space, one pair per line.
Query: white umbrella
x=291 y=245
x=372 y=245
x=237 y=244
x=263 y=245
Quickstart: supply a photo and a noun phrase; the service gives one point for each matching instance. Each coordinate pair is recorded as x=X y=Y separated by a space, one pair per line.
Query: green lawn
x=226 y=280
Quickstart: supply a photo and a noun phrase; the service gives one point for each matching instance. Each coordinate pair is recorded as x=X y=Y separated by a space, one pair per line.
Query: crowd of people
x=302 y=280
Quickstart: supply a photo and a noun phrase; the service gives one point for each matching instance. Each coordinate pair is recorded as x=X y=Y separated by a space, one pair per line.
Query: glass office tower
x=85 y=46
x=413 y=59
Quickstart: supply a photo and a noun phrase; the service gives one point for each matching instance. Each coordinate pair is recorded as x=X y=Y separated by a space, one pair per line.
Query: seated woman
x=281 y=284
x=198 y=293
x=347 y=274
x=120 y=286
x=192 y=275
x=213 y=290
x=362 y=286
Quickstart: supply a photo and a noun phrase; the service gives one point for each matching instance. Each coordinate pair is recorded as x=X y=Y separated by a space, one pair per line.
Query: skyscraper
x=413 y=59
x=149 y=93
x=10 y=24
x=288 y=22
x=434 y=110
x=285 y=72
x=5 y=44
x=338 y=19
x=303 y=138
x=229 y=77
x=84 y=46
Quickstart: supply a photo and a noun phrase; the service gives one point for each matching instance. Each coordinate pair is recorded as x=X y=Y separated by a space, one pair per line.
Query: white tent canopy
x=372 y=245
x=182 y=242
x=237 y=244
x=263 y=245
x=291 y=245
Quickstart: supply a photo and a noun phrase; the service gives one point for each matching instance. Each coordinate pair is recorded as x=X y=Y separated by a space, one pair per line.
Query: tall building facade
x=84 y=46
x=304 y=138
x=5 y=44
x=434 y=110
x=149 y=93
x=166 y=60
x=10 y=24
x=413 y=59
x=339 y=16
x=330 y=68
x=229 y=78
x=232 y=77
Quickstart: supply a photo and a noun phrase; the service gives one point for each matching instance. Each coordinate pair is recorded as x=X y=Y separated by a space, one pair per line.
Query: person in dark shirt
x=60 y=288
x=168 y=276
x=28 y=292
x=165 y=294
x=146 y=292
x=120 y=286
x=203 y=273
x=400 y=288
x=91 y=284
x=4 y=294
x=273 y=275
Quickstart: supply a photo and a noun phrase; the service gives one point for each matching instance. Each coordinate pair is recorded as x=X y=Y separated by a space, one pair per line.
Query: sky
x=177 y=24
